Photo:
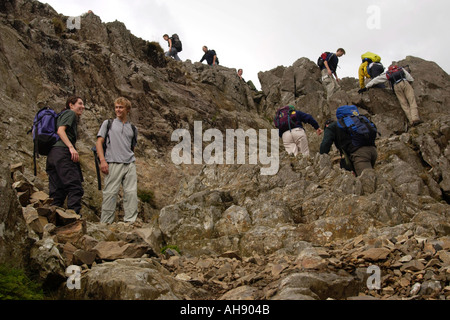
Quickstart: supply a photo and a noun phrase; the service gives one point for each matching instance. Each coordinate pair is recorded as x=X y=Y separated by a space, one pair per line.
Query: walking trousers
x=64 y=179
x=295 y=141
x=120 y=174
x=405 y=95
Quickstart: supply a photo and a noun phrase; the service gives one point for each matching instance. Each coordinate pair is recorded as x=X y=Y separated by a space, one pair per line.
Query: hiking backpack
x=371 y=57
x=176 y=43
x=362 y=131
x=285 y=118
x=321 y=59
x=395 y=74
x=44 y=132
x=374 y=69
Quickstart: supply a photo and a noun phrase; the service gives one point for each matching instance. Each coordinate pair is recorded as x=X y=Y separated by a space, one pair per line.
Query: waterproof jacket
x=341 y=139
x=300 y=118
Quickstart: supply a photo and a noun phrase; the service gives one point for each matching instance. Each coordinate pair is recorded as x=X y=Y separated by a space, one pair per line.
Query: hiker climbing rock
x=175 y=46
x=399 y=79
x=290 y=127
x=370 y=68
x=354 y=136
x=118 y=162
x=328 y=63
x=210 y=56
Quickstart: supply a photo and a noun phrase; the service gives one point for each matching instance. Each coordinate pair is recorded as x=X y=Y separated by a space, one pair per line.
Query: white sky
x=259 y=35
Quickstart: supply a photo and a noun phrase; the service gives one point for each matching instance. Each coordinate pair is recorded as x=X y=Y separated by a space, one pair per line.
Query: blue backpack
x=44 y=132
x=362 y=131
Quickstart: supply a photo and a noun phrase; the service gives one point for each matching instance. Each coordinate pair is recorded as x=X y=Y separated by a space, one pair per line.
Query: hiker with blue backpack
x=116 y=140
x=354 y=136
x=63 y=167
x=290 y=129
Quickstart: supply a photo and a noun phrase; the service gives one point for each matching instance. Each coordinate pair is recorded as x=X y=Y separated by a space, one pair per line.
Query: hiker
x=118 y=163
x=173 y=42
x=399 y=80
x=292 y=132
x=210 y=56
x=63 y=167
x=357 y=157
x=370 y=68
x=328 y=63
x=239 y=73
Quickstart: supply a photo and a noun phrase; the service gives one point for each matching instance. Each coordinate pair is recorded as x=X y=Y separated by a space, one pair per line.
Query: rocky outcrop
x=310 y=231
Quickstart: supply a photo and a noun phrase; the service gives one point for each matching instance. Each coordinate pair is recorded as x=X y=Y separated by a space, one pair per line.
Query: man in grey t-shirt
x=118 y=163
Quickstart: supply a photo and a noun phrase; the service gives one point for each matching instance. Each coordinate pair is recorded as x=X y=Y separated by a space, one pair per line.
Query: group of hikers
x=114 y=148
x=352 y=133
x=176 y=46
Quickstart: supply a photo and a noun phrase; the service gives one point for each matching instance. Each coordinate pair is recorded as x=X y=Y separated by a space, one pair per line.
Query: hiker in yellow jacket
x=370 y=68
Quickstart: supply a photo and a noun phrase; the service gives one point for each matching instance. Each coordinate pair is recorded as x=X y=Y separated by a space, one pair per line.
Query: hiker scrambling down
x=370 y=68
x=63 y=167
x=354 y=136
x=118 y=137
x=289 y=123
x=210 y=56
x=328 y=63
x=399 y=79
x=175 y=46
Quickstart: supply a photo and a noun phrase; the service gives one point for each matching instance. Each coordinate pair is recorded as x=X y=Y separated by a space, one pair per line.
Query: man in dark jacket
x=356 y=159
x=210 y=56
x=328 y=69
x=295 y=140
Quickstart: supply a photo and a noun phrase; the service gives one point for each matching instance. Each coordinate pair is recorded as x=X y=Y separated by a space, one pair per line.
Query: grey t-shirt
x=118 y=144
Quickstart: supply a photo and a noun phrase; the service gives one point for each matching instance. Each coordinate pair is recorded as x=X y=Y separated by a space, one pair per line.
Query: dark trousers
x=65 y=178
x=364 y=158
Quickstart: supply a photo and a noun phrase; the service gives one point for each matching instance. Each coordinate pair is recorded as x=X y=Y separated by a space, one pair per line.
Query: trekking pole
x=97 y=168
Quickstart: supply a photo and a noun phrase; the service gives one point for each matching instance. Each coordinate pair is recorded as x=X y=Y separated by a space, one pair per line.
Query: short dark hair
x=340 y=49
x=72 y=100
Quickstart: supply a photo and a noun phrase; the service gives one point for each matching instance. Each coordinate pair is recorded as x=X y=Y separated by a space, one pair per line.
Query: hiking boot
x=416 y=122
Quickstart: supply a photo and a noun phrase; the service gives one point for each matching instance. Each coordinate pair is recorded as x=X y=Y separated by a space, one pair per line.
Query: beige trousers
x=125 y=175
x=329 y=83
x=295 y=141
x=405 y=95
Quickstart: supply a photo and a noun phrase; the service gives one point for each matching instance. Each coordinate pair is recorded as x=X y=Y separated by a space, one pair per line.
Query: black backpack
x=176 y=43
x=374 y=69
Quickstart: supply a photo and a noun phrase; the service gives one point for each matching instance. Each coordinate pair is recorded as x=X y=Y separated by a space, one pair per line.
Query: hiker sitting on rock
x=210 y=56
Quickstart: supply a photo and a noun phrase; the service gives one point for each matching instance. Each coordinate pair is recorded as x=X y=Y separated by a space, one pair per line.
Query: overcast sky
x=259 y=35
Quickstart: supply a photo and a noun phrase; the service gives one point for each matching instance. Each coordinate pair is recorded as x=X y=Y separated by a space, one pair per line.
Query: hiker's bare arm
x=330 y=73
x=101 y=155
x=63 y=136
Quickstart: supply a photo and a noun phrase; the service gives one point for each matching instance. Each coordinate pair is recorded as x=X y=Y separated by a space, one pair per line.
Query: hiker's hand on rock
x=319 y=131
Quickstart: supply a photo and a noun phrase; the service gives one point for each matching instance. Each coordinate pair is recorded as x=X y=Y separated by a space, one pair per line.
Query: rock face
x=310 y=231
